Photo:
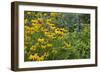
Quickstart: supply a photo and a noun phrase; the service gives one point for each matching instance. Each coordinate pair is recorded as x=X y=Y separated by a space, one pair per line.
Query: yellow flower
x=45 y=14
x=28 y=12
x=67 y=45
x=43 y=46
x=57 y=31
x=49 y=45
x=27 y=28
x=33 y=24
x=34 y=21
x=52 y=27
x=32 y=29
x=35 y=57
x=27 y=37
x=35 y=27
x=25 y=21
x=53 y=37
x=48 y=21
x=40 y=40
x=40 y=19
x=39 y=14
x=62 y=29
x=49 y=34
x=41 y=58
x=33 y=48
x=46 y=33
x=30 y=57
x=53 y=14
x=45 y=54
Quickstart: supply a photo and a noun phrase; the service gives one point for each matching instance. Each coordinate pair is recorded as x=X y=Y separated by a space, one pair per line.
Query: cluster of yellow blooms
x=49 y=31
x=36 y=57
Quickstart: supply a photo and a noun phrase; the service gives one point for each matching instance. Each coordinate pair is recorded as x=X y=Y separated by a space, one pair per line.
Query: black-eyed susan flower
x=30 y=57
x=40 y=40
x=33 y=48
x=26 y=21
x=43 y=46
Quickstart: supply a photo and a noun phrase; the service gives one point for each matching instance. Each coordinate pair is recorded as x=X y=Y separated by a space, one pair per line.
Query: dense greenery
x=56 y=36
